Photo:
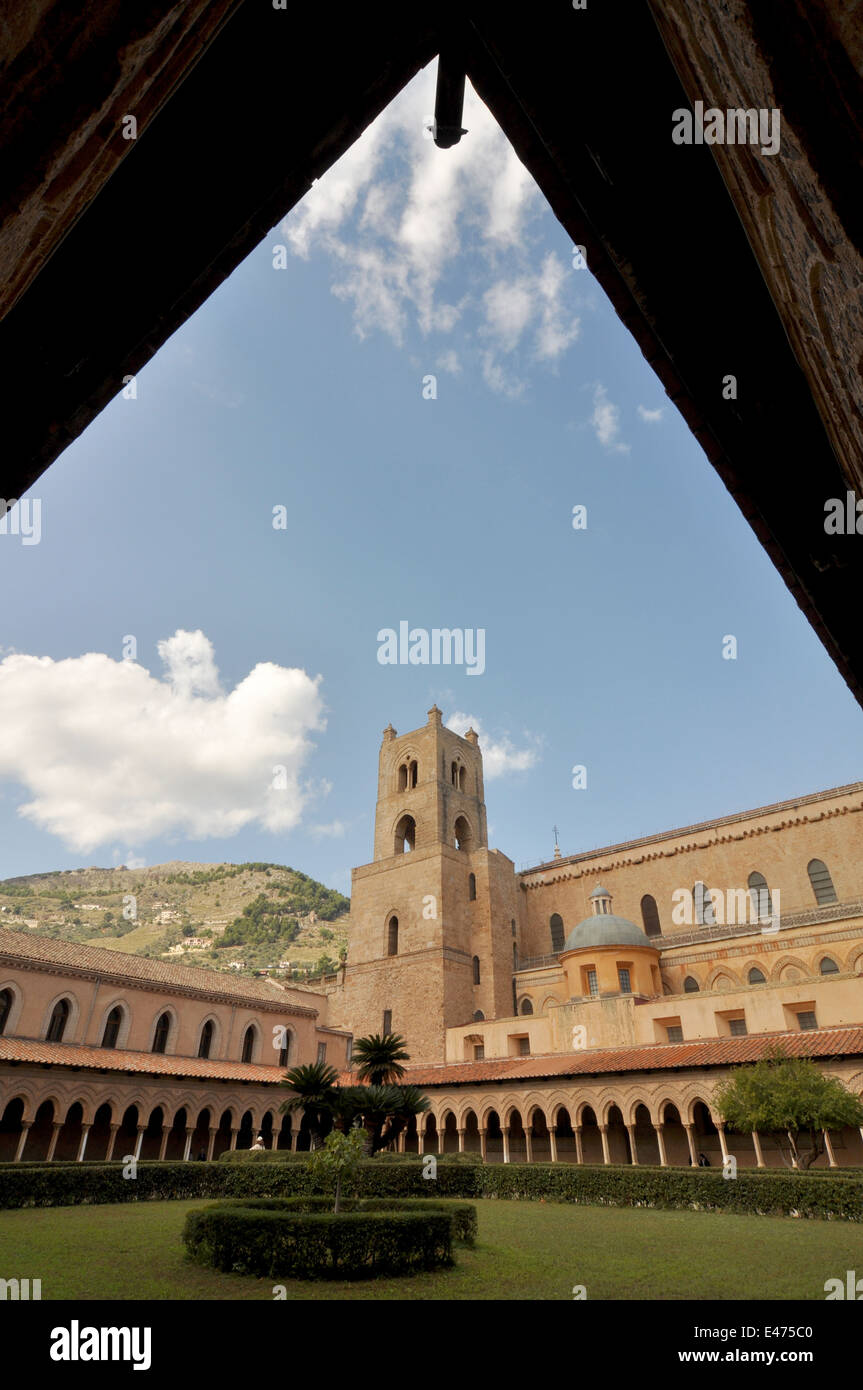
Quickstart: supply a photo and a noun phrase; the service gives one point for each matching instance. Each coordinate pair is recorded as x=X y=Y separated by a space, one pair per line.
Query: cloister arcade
x=670 y=1129
x=670 y=1126
x=36 y=1128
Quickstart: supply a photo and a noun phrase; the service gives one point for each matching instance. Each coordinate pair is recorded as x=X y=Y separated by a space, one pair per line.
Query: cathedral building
x=588 y=1007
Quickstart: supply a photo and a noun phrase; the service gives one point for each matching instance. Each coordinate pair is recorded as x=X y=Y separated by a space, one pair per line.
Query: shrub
x=269 y=1242
x=462 y=1214
x=763 y=1192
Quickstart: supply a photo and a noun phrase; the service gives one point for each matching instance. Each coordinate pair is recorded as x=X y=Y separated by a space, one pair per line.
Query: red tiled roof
x=709 y=1052
x=16 y=947
x=151 y=1063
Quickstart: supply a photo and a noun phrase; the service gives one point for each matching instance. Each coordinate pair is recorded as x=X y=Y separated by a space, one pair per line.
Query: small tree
x=315 y=1087
x=380 y=1057
x=787 y=1097
x=337 y=1162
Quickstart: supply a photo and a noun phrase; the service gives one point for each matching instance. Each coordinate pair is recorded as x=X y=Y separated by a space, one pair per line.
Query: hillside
x=245 y=917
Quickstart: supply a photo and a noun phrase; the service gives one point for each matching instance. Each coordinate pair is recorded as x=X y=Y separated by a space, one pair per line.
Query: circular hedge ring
x=274 y=1238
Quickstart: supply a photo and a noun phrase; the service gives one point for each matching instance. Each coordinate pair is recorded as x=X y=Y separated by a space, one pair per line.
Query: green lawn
x=526 y=1250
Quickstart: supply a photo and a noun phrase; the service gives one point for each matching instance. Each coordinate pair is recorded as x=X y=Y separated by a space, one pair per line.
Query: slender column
x=166 y=1133
x=190 y=1130
x=603 y=1131
x=421 y=1140
x=528 y=1145
x=579 y=1152
x=276 y=1134
x=461 y=1141
x=234 y=1133
x=213 y=1132
x=831 y=1157
x=721 y=1131
x=756 y=1144
x=660 y=1139
x=441 y=1135
x=82 y=1147
x=140 y=1140
x=552 y=1135
x=402 y=1141
x=483 y=1144
x=112 y=1139
x=25 y=1130
x=690 y=1139
x=295 y=1134
x=504 y=1129
x=57 y=1126
x=630 y=1129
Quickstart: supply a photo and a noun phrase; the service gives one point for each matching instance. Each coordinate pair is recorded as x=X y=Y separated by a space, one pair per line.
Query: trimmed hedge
x=234 y=1237
x=461 y=1214
x=773 y=1192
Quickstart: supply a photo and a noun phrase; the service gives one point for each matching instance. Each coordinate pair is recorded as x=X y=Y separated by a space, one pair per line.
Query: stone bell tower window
x=406 y=835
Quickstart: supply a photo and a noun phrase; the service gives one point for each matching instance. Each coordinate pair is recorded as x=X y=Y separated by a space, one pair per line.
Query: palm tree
x=315 y=1088
x=380 y=1057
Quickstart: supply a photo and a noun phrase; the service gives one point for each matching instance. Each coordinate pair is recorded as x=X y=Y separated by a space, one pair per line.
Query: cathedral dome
x=605 y=930
x=604 y=927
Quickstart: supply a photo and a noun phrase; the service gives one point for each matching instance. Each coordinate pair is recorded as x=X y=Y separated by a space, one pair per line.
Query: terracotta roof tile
x=18 y=947
x=151 y=1063
x=708 y=1052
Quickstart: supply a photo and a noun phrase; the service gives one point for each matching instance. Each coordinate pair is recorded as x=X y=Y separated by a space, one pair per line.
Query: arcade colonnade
x=673 y=1125
x=51 y=1122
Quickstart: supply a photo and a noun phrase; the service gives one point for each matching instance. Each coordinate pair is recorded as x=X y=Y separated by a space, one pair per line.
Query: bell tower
x=431 y=915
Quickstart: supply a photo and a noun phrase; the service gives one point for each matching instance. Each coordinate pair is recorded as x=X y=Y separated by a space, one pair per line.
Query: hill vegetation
x=246 y=917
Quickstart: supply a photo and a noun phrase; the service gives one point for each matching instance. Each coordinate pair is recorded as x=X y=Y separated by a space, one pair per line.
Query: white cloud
x=107 y=751
x=651 y=416
x=499 y=756
x=606 y=421
x=334 y=830
x=396 y=216
x=448 y=362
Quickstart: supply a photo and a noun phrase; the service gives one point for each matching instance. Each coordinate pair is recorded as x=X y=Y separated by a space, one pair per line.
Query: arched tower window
x=829 y=967
x=650 y=916
x=59 y=1019
x=514 y=956
x=526 y=1006
x=454 y=774
x=286 y=1050
x=406 y=835
x=463 y=836
x=393 y=936
x=703 y=906
x=476 y=970
x=160 y=1036
x=471 y=888
x=413 y=773
x=479 y=1016
x=557 y=936
x=822 y=883
x=756 y=976
x=403 y=778
x=206 y=1042
x=760 y=895
x=248 y=1043
x=461 y=779
x=112 y=1027
x=5 y=1009
x=690 y=985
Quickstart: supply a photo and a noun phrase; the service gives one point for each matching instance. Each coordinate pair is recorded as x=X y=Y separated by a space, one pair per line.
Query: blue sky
x=302 y=388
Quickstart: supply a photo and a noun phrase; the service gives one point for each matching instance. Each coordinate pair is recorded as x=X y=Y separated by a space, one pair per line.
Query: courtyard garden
x=524 y=1250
